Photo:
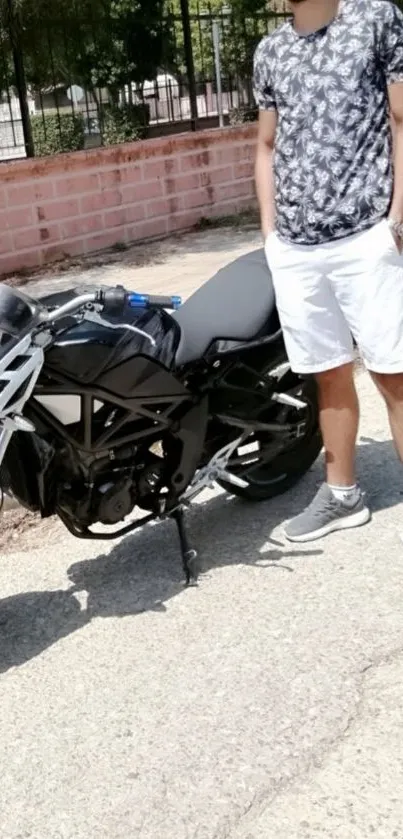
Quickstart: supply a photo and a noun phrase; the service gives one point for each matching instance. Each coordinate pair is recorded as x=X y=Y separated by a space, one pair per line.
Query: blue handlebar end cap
x=143 y=301
x=138 y=301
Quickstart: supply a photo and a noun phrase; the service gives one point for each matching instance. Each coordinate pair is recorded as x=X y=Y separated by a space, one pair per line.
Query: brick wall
x=75 y=204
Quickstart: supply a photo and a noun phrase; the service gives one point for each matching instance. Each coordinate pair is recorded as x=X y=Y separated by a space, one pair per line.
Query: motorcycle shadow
x=143 y=572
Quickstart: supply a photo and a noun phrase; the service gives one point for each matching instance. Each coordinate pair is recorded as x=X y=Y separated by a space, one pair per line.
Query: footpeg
x=280 y=371
x=290 y=401
x=214 y=471
x=229 y=478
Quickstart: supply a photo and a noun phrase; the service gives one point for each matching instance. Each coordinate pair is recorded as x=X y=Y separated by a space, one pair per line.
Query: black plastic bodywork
x=144 y=399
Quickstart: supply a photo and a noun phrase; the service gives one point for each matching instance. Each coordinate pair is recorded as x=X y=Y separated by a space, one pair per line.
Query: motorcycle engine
x=113 y=502
x=107 y=501
x=112 y=494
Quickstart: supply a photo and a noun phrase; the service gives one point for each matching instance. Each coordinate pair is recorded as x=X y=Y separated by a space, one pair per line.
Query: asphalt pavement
x=264 y=703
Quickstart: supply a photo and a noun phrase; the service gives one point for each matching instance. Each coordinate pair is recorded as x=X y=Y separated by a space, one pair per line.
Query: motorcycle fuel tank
x=119 y=360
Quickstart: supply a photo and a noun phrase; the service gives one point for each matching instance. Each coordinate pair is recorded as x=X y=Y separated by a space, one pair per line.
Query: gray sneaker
x=326 y=514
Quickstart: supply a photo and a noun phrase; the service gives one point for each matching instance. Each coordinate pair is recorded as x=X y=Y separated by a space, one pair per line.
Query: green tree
x=242 y=24
x=125 y=44
x=96 y=43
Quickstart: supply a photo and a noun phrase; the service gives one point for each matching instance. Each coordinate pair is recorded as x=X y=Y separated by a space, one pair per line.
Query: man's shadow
x=143 y=572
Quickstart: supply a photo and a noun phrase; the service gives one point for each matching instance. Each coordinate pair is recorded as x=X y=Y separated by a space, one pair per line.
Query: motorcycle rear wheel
x=268 y=476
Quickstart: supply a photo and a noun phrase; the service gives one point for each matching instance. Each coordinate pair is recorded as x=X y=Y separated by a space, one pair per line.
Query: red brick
x=40 y=190
x=182 y=183
x=164 y=207
x=76 y=227
x=231 y=207
x=135 y=212
x=26 y=239
x=132 y=174
x=15 y=263
x=105 y=240
x=110 y=178
x=79 y=184
x=100 y=201
x=19 y=217
x=243 y=170
x=197 y=160
x=234 y=154
x=199 y=198
x=160 y=168
x=141 y=192
x=147 y=230
x=44 y=190
x=3 y=198
x=235 y=190
x=6 y=243
x=184 y=221
x=55 y=210
x=216 y=176
x=115 y=218
x=49 y=233
x=63 y=250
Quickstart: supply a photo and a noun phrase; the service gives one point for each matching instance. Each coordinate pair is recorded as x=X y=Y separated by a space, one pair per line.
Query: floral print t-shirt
x=333 y=149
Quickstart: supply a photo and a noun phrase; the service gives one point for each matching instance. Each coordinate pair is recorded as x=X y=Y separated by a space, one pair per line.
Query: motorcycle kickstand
x=189 y=556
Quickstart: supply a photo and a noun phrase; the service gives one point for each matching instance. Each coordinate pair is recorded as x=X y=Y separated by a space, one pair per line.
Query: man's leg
x=381 y=322
x=339 y=417
x=391 y=388
x=339 y=503
x=319 y=343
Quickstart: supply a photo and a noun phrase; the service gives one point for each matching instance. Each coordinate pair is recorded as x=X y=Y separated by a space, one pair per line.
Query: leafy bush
x=124 y=123
x=242 y=115
x=56 y=133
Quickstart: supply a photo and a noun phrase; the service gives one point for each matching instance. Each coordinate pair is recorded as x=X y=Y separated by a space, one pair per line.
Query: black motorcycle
x=111 y=400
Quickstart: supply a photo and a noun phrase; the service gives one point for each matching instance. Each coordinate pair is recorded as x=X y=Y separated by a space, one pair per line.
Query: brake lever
x=95 y=317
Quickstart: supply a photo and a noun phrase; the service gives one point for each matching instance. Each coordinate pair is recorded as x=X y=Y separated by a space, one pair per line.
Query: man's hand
x=395 y=91
x=396 y=229
x=399 y=242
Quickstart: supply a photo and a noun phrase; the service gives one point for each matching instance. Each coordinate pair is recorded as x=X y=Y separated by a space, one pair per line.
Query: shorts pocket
x=270 y=237
x=271 y=245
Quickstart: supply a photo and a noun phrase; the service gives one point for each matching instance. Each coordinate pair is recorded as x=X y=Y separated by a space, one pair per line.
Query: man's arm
x=389 y=19
x=396 y=111
x=264 y=169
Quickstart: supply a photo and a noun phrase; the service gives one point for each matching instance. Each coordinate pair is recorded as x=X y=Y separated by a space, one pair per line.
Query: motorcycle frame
x=192 y=407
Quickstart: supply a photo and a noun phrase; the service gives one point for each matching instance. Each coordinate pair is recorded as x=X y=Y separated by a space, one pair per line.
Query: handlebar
x=71 y=307
x=113 y=301
x=146 y=301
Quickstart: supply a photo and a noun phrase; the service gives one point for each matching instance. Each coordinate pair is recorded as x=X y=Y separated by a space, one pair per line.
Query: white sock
x=345 y=493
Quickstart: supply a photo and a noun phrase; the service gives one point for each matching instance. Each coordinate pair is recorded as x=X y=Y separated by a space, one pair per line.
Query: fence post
x=217 y=62
x=187 y=43
x=20 y=80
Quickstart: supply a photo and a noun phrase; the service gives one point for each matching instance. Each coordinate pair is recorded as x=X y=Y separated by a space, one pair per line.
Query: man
x=330 y=189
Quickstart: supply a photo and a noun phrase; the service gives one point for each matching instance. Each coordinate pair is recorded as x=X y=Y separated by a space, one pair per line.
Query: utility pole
x=187 y=42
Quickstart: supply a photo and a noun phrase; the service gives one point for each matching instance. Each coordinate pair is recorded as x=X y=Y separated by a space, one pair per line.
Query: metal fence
x=66 y=84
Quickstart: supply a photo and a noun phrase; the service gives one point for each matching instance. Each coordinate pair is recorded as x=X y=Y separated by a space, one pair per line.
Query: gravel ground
x=266 y=702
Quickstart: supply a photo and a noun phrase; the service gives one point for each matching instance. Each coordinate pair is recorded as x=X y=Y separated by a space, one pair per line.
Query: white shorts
x=328 y=293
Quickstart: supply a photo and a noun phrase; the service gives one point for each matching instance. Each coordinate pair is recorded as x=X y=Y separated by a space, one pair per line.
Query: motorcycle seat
x=236 y=304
